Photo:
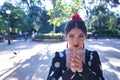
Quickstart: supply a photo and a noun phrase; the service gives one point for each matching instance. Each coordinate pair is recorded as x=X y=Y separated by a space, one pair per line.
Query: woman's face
x=75 y=39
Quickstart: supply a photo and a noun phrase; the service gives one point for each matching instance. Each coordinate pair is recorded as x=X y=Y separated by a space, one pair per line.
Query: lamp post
x=9 y=38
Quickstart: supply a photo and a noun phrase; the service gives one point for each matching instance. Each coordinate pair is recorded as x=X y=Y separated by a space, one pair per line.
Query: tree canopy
x=31 y=15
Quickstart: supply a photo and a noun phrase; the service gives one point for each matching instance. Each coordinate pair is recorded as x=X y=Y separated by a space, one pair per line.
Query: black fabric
x=91 y=68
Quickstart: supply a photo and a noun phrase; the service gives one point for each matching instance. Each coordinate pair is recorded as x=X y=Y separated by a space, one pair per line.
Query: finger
x=69 y=57
x=80 y=51
x=77 y=66
x=75 y=56
x=76 y=61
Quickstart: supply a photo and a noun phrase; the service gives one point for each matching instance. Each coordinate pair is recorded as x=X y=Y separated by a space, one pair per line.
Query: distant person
x=96 y=36
x=20 y=33
x=76 y=62
x=26 y=36
x=33 y=34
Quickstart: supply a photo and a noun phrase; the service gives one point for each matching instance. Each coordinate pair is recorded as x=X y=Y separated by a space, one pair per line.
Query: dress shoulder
x=91 y=52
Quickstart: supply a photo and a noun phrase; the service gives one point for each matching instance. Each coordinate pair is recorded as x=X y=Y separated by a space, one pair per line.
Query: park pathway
x=33 y=59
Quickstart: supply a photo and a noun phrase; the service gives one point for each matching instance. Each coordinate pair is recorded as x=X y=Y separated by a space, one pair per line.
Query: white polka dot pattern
x=100 y=78
x=94 y=73
x=63 y=71
x=89 y=63
x=61 y=54
x=57 y=64
x=51 y=73
x=72 y=76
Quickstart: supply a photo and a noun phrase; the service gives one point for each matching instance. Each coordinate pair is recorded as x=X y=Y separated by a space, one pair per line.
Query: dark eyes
x=71 y=35
x=80 y=36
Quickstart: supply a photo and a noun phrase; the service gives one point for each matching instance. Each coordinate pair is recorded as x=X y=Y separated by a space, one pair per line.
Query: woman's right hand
x=74 y=60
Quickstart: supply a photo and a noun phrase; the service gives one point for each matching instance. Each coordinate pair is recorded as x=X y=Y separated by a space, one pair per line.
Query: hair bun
x=76 y=18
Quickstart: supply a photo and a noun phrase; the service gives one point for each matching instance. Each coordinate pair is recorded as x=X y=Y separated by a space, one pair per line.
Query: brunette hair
x=76 y=22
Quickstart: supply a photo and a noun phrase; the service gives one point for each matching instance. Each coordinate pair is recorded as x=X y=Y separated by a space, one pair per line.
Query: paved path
x=33 y=59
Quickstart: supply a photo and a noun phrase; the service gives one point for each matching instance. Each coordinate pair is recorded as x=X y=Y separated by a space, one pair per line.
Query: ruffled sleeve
x=93 y=70
x=55 y=69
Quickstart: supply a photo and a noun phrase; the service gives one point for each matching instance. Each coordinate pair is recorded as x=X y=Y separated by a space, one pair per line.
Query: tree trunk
x=54 y=29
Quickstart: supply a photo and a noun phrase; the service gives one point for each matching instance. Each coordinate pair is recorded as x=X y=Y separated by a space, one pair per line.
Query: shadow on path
x=109 y=51
x=37 y=66
x=34 y=68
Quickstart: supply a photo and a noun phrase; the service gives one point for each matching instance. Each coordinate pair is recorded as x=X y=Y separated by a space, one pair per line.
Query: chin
x=75 y=48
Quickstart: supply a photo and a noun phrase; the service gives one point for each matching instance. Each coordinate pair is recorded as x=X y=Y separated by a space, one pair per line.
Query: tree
x=100 y=17
x=62 y=11
x=45 y=26
x=34 y=11
x=2 y=25
x=17 y=19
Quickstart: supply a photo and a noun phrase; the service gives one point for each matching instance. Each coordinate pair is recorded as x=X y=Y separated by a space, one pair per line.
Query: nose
x=76 y=40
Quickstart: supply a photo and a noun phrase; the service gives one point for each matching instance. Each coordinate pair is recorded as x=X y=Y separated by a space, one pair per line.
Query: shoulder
x=91 y=52
x=60 y=53
x=92 y=58
x=59 y=58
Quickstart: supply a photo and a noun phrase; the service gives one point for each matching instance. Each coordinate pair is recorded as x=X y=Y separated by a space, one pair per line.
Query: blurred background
x=32 y=30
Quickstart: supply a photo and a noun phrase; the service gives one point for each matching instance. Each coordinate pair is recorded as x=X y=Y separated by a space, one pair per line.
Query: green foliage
x=34 y=14
x=109 y=33
x=99 y=18
x=102 y=20
x=16 y=18
x=62 y=11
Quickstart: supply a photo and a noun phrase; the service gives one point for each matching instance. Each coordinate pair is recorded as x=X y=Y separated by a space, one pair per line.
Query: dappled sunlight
x=112 y=63
x=34 y=67
x=34 y=59
x=43 y=57
x=112 y=68
x=25 y=65
x=109 y=51
x=104 y=48
x=34 y=62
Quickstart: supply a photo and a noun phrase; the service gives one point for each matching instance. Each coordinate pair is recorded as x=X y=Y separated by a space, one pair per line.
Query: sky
x=1 y=2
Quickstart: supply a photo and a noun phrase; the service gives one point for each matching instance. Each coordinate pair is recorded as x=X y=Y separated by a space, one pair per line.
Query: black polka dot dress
x=91 y=68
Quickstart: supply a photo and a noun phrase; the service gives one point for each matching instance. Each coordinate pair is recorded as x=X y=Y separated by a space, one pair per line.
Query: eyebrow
x=79 y=34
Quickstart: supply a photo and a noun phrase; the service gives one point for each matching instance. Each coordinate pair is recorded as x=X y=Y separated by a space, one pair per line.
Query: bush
x=108 y=33
x=56 y=36
x=2 y=39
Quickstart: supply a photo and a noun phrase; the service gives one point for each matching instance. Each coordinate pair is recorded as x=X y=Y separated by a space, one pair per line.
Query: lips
x=76 y=46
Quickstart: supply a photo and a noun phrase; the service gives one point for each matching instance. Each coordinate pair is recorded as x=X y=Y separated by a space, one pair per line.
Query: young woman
x=76 y=62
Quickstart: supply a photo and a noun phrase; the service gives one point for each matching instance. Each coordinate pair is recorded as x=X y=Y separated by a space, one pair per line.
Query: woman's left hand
x=75 y=60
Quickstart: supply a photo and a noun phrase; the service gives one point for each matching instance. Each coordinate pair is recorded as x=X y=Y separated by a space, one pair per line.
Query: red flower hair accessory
x=76 y=18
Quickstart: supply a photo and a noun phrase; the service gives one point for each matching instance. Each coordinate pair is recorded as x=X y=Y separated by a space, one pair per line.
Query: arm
x=94 y=71
x=55 y=69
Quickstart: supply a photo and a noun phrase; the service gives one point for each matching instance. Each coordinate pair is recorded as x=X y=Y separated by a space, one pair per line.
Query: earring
x=67 y=45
